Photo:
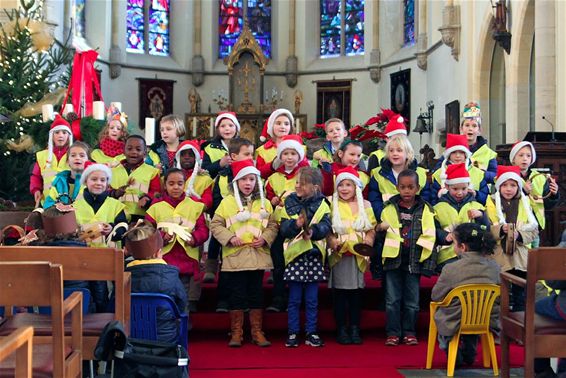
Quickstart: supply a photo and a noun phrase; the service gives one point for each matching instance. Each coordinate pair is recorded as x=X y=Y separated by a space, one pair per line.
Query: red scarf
x=112 y=147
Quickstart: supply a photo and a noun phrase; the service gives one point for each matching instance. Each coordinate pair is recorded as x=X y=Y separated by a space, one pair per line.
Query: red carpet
x=210 y=357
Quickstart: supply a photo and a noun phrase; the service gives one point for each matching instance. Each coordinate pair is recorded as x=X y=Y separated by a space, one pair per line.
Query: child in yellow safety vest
x=112 y=139
x=353 y=222
x=244 y=225
x=408 y=251
x=335 y=134
x=541 y=188
x=279 y=124
x=305 y=223
x=514 y=226
x=66 y=187
x=52 y=160
x=199 y=184
x=134 y=182
x=216 y=155
x=162 y=154
x=395 y=126
x=457 y=151
x=456 y=206
x=348 y=155
x=96 y=211
x=181 y=222
x=291 y=154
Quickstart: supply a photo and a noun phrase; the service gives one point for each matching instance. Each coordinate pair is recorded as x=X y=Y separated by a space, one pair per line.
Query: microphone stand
x=552 y=139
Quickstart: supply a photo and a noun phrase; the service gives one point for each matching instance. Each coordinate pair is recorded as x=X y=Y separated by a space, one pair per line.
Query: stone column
x=198 y=60
x=545 y=68
x=375 y=54
x=292 y=60
x=422 y=36
x=560 y=64
x=115 y=51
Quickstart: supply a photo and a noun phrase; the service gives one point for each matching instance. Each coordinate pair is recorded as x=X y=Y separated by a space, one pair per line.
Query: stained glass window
x=135 y=26
x=341 y=27
x=409 y=22
x=148 y=25
x=80 y=18
x=231 y=22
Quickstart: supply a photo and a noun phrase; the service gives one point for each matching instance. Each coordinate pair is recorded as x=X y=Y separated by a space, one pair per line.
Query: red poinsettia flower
x=372 y=120
x=319 y=126
x=356 y=131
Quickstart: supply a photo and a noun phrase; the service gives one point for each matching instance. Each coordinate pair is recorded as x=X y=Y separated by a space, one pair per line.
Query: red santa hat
x=241 y=169
x=512 y=172
x=91 y=167
x=508 y=172
x=293 y=142
x=456 y=142
x=457 y=174
x=517 y=146
x=362 y=222
x=267 y=131
x=228 y=115
x=194 y=146
x=396 y=125
x=59 y=123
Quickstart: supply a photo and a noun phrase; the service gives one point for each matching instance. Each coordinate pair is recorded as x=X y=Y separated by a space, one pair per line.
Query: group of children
x=306 y=224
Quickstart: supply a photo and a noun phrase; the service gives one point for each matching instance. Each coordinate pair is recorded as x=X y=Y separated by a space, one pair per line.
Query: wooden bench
x=84 y=264
x=20 y=343
x=41 y=284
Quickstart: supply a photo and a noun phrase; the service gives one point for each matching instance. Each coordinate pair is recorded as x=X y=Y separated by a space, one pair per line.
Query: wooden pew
x=19 y=342
x=41 y=284
x=86 y=264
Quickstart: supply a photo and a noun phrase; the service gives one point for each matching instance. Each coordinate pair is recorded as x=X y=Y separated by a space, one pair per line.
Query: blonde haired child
x=112 y=139
x=216 y=155
x=244 y=225
x=395 y=126
x=52 y=160
x=162 y=153
x=353 y=222
x=399 y=155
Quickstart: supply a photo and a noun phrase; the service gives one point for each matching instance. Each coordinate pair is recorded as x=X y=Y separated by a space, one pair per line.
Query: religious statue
x=194 y=100
x=298 y=95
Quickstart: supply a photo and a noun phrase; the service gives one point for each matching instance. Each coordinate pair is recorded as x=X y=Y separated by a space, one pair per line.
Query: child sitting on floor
x=151 y=274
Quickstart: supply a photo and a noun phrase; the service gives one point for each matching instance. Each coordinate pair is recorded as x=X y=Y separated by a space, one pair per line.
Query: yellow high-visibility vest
x=482 y=156
x=215 y=153
x=49 y=173
x=186 y=214
x=98 y=156
x=476 y=177
x=393 y=238
x=388 y=189
x=538 y=181
x=138 y=180
x=107 y=213
x=448 y=218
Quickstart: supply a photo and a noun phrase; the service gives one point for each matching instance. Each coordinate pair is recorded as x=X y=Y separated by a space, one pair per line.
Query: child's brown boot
x=236 y=328
x=258 y=338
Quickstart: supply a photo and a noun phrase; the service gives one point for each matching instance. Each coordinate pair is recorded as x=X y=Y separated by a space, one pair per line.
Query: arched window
x=148 y=27
x=231 y=21
x=341 y=27
x=409 y=22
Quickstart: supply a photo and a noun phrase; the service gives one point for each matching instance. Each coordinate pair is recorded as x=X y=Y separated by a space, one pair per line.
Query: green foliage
x=90 y=128
x=26 y=76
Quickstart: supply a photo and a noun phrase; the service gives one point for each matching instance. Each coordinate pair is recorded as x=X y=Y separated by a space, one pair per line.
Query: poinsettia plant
x=372 y=129
x=308 y=135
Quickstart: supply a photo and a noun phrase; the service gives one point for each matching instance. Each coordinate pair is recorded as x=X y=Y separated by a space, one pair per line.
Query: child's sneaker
x=292 y=341
x=314 y=340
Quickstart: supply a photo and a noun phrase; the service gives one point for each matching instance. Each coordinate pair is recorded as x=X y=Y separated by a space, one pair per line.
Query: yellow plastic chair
x=477 y=301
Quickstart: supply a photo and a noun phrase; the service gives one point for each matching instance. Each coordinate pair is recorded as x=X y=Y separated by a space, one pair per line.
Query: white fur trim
x=509 y=176
x=520 y=145
x=198 y=159
x=262 y=138
x=50 y=141
x=348 y=176
x=191 y=185
x=396 y=132
x=246 y=171
x=231 y=117
x=459 y=180
x=96 y=167
x=291 y=145
x=273 y=116
x=459 y=147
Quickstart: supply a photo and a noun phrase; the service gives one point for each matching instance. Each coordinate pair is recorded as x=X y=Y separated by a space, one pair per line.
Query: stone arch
x=481 y=82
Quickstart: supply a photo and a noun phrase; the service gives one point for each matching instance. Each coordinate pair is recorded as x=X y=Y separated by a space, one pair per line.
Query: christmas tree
x=34 y=69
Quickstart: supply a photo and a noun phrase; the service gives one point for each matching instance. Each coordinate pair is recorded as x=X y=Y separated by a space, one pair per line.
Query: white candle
x=298 y=125
x=194 y=127
x=98 y=110
x=68 y=109
x=117 y=105
x=47 y=112
x=149 y=131
x=211 y=127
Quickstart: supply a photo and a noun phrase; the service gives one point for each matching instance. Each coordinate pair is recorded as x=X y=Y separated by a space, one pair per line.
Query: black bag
x=135 y=358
